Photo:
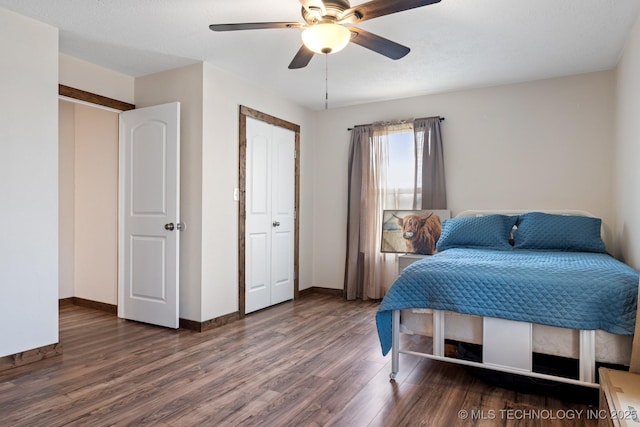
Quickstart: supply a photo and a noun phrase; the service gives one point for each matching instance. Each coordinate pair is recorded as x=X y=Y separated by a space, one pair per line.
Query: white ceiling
x=456 y=44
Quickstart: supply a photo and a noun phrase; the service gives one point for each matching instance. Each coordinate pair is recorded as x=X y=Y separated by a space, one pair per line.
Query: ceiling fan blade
x=314 y=5
x=302 y=58
x=377 y=8
x=378 y=44
x=255 y=26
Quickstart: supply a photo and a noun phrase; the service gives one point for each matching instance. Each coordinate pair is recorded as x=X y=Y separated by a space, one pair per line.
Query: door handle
x=276 y=223
x=169 y=226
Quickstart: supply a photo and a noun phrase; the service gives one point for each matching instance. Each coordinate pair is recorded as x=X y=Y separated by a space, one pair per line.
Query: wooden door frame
x=92 y=98
x=242 y=214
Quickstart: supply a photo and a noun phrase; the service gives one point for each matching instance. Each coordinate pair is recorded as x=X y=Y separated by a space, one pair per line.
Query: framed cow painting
x=412 y=231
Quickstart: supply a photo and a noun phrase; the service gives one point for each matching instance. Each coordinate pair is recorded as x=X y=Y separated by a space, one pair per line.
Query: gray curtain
x=354 y=267
x=368 y=272
x=430 y=183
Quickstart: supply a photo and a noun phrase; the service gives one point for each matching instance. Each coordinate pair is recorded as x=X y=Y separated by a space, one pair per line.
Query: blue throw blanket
x=576 y=290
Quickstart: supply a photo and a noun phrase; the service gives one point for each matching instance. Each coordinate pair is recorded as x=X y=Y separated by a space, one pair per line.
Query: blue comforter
x=576 y=290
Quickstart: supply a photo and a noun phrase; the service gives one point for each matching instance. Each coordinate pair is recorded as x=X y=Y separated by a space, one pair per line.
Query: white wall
x=28 y=184
x=96 y=204
x=627 y=171
x=223 y=95
x=90 y=270
x=184 y=85
x=210 y=101
x=89 y=77
x=88 y=203
x=537 y=145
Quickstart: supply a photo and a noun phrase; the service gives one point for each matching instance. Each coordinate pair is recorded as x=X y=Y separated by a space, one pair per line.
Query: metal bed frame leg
x=395 y=344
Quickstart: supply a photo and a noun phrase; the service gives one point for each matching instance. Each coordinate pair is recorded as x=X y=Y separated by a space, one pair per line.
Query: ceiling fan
x=327 y=27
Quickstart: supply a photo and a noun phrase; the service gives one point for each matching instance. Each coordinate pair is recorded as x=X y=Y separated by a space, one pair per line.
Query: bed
x=516 y=285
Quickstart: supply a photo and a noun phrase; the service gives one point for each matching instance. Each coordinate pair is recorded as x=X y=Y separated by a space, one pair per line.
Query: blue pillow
x=571 y=233
x=489 y=232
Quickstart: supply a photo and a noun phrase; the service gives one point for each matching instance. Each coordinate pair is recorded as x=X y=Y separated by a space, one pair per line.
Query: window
x=401 y=161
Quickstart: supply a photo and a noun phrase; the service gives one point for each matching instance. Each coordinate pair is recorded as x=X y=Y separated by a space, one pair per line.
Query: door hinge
x=295 y=154
x=295 y=215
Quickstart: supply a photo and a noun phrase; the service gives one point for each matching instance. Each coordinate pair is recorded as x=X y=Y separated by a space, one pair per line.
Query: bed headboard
x=472 y=213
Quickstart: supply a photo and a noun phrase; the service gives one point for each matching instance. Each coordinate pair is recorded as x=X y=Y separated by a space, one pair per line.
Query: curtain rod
x=400 y=121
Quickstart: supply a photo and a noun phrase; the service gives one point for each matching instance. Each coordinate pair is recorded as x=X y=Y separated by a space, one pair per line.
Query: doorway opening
x=88 y=198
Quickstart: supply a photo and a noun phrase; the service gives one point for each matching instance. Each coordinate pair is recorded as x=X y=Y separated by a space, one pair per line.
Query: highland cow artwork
x=412 y=231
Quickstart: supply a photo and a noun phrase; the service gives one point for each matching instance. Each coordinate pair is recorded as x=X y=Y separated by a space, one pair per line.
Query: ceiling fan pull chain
x=326 y=81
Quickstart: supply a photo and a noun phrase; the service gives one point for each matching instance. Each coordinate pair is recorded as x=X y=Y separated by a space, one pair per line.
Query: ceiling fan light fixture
x=326 y=38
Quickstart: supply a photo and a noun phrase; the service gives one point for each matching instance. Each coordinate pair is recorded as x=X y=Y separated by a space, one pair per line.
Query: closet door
x=269 y=227
x=282 y=214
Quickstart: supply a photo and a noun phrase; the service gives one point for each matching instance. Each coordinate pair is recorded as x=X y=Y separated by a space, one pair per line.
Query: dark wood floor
x=312 y=362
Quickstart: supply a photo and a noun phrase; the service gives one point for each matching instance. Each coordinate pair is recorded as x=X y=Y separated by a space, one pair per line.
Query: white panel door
x=282 y=214
x=258 y=216
x=149 y=240
x=269 y=225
